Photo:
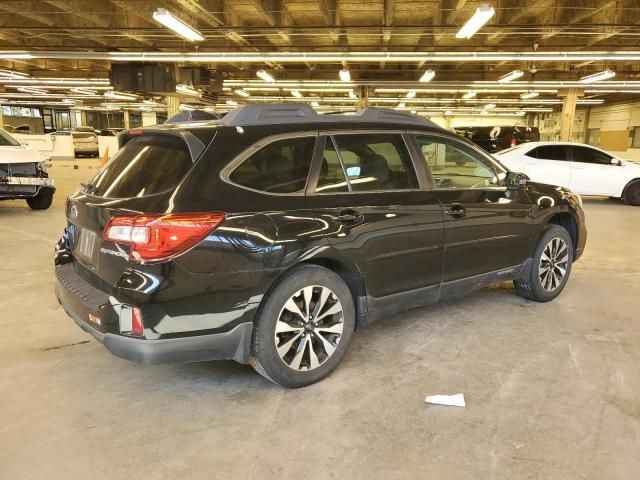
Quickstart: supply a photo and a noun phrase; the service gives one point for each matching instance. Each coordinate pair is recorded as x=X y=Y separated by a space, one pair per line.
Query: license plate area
x=85 y=246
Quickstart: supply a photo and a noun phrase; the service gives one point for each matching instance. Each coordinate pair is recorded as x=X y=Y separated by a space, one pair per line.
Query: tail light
x=513 y=142
x=154 y=238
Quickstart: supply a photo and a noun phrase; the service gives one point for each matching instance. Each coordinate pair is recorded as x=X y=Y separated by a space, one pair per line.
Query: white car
x=23 y=174
x=584 y=169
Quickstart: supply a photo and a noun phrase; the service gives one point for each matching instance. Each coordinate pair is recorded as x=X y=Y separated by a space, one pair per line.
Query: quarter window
x=280 y=167
x=454 y=166
x=376 y=162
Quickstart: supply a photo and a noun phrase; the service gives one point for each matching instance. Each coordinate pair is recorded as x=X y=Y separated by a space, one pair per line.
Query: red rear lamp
x=131 y=321
x=136 y=322
x=513 y=142
x=154 y=238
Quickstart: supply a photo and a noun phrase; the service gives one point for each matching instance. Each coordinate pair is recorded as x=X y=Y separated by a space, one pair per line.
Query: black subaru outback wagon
x=271 y=235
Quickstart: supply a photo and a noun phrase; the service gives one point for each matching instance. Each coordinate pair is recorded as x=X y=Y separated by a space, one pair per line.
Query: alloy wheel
x=553 y=264
x=309 y=328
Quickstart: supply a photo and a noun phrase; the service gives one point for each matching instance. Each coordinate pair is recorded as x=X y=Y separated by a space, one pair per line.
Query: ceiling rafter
x=273 y=12
x=580 y=17
x=457 y=7
x=524 y=13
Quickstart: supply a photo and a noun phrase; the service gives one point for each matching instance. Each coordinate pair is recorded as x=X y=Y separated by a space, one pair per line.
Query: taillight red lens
x=136 y=322
x=160 y=237
x=513 y=142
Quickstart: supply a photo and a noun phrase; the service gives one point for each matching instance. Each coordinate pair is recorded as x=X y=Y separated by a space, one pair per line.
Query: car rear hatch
x=82 y=138
x=138 y=180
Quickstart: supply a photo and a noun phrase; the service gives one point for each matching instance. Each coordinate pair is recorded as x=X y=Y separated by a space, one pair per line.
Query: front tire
x=552 y=261
x=41 y=201
x=631 y=195
x=303 y=329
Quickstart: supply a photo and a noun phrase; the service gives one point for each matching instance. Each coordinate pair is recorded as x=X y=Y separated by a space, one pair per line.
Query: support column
x=173 y=105
x=126 y=119
x=1 y=118
x=363 y=98
x=569 y=98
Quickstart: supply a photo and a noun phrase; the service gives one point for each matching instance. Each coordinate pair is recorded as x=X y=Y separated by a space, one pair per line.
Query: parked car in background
x=109 y=132
x=23 y=174
x=85 y=129
x=584 y=169
x=24 y=129
x=268 y=236
x=496 y=138
x=85 y=143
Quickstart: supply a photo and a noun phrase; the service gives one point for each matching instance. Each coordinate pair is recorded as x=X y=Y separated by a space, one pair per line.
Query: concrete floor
x=552 y=390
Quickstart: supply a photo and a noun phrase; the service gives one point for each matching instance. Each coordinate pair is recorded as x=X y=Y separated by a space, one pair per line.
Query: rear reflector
x=131 y=321
x=154 y=238
x=513 y=142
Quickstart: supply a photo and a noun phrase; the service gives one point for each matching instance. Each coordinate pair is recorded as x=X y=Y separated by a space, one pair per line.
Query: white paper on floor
x=456 y=400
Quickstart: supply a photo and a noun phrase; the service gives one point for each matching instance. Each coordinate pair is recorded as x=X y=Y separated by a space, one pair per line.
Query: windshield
x=7 y=140
x=146 y=165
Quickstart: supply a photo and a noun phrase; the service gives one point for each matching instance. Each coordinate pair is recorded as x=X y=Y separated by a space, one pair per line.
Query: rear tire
x=41 y=201
x=303 y=329
x=631 y=195
x=552 y=261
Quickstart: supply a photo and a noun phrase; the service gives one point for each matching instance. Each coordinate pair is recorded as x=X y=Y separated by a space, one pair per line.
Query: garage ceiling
x=79 y=39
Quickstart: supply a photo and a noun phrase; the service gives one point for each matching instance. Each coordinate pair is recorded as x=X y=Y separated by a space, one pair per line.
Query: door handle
x=456 y=211
x=348 y=216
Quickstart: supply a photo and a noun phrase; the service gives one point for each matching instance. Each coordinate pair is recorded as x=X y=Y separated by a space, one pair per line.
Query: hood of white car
x=18 y=154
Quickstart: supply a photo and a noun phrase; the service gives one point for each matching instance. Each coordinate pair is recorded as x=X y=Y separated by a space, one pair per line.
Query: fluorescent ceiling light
x=232 y=103
x=511 y=76
x=120 y=95
x=411 y=94
x=241 y=92
x=315 y=104
x=401 y=105
x=521 y=113
x=174 y=23
x=597 y=77
x=345 y=75
x=296 y=93
x=84 y=91
x=187 y=90
x=352 y=94
x=427 y=76
x=482 y=15
x=490 y=105
x=468 y=95
x=527 y=95
x=448 y=112
x=36 y=91
x=12 y=74
x=265 y=76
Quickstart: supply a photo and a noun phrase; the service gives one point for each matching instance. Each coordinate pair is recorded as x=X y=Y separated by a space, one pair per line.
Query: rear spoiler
x=194 y=144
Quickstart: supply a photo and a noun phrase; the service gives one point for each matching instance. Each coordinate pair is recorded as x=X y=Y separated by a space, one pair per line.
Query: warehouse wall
x=477 y=120
x=614 y=123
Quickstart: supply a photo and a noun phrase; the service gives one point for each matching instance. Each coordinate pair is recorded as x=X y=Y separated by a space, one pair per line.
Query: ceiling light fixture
x=401 y=105
x=352 y=94
x=468 y=95
x=12 y=74
x=510 y=76
x=315 y=104
x=345 y=75
x=597 y=77
x=36 y=91
x=296 y=93
x=232 y=103
x=265 y=76
x=411 y=94
x=490 y=105
x=481 y=16
x=241 y=92
x=427 y=76
x=187 y=90
x=527 y=95
x=84 y=91
x=172 y=22
x=120 y=95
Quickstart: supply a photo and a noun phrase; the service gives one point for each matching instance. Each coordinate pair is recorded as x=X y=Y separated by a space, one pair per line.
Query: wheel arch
x=628 y=184
x=569 y=223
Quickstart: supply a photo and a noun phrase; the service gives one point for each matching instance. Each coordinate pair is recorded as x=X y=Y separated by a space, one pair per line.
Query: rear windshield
x=83 y=135
x=7 y=140
x=146 y=165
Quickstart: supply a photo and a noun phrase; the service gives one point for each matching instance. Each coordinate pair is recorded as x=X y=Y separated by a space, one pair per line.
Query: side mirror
x=616 y=162
x=516 y=181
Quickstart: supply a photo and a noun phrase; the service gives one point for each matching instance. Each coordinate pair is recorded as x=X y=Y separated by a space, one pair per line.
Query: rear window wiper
x=89 y=187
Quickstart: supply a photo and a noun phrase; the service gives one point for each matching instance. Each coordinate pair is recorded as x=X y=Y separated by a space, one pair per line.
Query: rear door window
x=549 y=152
x=589 y=155
x=376 y=162
x=146 y=165
x=279 y=167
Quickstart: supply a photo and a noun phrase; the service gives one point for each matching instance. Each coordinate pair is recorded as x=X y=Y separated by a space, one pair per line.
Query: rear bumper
x=81 y=301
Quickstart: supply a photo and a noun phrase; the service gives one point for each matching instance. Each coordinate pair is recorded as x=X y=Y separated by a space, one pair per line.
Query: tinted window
x=7 y=140
x=146 y=165
x=331 y=178
x=549 y=152
x=588 y=155
x=376 y=162
x=280 y=167
x=455 y=166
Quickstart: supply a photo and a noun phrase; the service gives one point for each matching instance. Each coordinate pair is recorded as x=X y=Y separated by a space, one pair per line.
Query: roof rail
x=303 y=113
